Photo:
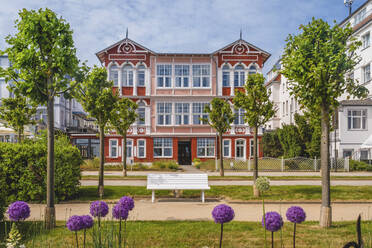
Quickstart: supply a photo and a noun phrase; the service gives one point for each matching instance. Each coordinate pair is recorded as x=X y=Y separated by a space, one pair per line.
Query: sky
x=179 y=25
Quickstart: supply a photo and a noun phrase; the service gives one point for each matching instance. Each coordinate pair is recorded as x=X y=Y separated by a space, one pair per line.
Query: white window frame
x=239 y=116
x=226 y=70
x=139 y=121
x=366 y=70
x=252 y=69
x=112 y=71
x=182 y=76
x=244 y=149
x=110 y=148
x=131 y=155
x=363 y=115
x=127 y=75
x=182 y=114
x=201 y=114
x=239 y=73
x=223 y=148
x=141 y=146
x=164 y=76
x=164 y=114
x=202 y=75
x=141 y=70
x=366 y=40
x=360 y=16
x=163 y=147
x=207 y=144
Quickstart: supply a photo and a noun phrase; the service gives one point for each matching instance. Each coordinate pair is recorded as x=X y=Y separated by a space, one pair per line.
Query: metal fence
x=284 y=164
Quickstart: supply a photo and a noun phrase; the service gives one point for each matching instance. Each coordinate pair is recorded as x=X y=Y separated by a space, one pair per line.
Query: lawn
x=238 y=193
x=202 y=234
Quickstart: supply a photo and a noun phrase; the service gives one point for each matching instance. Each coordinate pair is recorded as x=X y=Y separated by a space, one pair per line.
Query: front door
x=184 y=152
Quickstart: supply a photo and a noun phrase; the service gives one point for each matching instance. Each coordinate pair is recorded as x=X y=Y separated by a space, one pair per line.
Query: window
x=239 y=117
x=164 y=75
x=141 y=147
x=251 y=147
x=357 y=119
x=198 y=113
x=141 y=76
x=182 y=113
x=364 y=154
x=365 y=40
x=225 y=76
x=347 y=153
x=205 y=147
x=182 y=73
x=240 y=148
x=129 y=148
x=113 y=148
x=141 y=111
x=286 y=107
x=4 y=62
x=114 y=74
x=360 y=16
x=163 y=147
x=252 y=70
x=201 y=74
x=2 y=82
x=127 y=76
x=164 y=111
x=239 y=76
x=366 y=73
x=227 y=148
x=283 y=109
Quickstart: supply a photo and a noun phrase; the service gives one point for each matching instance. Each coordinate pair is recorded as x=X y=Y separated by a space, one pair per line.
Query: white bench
x=177 y=182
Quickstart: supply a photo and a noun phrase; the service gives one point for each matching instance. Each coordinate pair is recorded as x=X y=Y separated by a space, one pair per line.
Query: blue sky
x=179 y=25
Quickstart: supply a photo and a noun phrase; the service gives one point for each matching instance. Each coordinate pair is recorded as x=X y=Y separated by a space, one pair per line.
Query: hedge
x=23 y=171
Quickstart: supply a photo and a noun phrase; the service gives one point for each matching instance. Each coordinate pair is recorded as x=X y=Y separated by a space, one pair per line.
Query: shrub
x=355 y=165
x=165 y=165
x=197 y=163
x=91 y=163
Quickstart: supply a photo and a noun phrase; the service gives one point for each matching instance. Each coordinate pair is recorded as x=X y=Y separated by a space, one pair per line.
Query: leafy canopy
x=42 y=54
x=220 y=115
x=255 y=101
x=316 y=62
x=123 y=115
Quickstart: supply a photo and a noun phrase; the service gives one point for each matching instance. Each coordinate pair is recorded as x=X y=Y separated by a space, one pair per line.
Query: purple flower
x=19 y=210
x=99 y=209
x=127 y=202
x=296 y=214
x=273 y=221
x=120 y=211
x=223 y=214
x=87 y=221
x=75 y=223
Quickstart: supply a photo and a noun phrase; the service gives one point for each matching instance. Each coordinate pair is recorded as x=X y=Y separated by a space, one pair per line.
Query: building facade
x=171 y=90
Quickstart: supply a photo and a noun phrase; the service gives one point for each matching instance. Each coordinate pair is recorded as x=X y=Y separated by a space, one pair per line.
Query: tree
x=316 y=63
x=220 y=118
x=309 y=131
x=258 y=110
x=123 y=115
x=17 y=112
x=42 y=53
x=271 y=145
x=290 y=141
x=96 y=96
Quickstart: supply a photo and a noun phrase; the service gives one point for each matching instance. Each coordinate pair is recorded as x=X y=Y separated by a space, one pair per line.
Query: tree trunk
x=222 y=172
x=256 y=192
x=20 y=131
x=125 y=154
x=102 y=160
x=50 y=216
x=326 y=211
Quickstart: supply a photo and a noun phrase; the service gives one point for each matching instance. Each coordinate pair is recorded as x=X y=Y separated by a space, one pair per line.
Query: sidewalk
x=182 y=209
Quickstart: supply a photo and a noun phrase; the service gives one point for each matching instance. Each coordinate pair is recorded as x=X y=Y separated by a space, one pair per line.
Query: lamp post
x=348 y=4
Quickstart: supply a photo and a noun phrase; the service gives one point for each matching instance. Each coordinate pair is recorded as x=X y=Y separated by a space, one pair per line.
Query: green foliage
x=271 y=144
x=355 y=165
x=309 y=131
x=290 y=140
x=17 y=112
x=23 y=170
x=14 y=238
x=220 y=115
x=123 y=115
x=197 y=162
x=90 y=163
x=165 y=164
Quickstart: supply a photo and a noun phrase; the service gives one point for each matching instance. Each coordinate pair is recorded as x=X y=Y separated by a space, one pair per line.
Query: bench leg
x=153 y=196
x=203 y=199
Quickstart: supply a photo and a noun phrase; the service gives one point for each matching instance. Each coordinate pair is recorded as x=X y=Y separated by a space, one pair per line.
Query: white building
x=354 y=122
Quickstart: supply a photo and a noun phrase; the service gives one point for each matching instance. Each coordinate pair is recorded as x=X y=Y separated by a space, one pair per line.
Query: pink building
x=171 y=90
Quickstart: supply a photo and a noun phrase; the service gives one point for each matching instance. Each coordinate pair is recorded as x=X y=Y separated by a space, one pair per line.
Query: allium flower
x=296 y=214
x=262 y=184
x=75 y=223
x=19 y=210
x=127 y=202
x=87 y=221
x=223 y=214
x=120 y=211
x=273 y=221
x=99 y=209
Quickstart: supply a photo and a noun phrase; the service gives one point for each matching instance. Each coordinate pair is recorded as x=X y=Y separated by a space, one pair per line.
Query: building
x=171 y=90
x=354 y=116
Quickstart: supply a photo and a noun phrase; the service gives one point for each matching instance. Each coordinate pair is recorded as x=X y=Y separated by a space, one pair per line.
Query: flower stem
x=77 y=241
x=294 y=236
x=221 y=235
x=125 y=232
x=99 y=231
x=85 y=232
x=272 y=239
x=264 y=219
x=120 y=233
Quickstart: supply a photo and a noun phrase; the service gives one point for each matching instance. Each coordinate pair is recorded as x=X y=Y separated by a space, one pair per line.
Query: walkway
x=181 y=209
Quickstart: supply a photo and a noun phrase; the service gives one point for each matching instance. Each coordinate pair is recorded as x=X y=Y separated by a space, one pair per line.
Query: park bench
x=177 y=182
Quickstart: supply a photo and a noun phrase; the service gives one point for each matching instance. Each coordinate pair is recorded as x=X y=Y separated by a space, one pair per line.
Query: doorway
x=184 y=152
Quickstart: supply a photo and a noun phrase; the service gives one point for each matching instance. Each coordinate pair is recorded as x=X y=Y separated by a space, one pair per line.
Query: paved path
x=227 y=182
x=230 y=173
x=183 y=209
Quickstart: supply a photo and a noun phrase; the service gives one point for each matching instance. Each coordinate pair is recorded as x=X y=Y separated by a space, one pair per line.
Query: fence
x=281 y=164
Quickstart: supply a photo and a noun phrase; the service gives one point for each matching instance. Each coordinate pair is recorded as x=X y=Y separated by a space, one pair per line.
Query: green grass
x=182 y=234
x=238 y=193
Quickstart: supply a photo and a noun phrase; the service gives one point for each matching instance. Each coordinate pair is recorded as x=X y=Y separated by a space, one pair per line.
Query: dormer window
x=114 y=75
x=127 y=76
x=360 y=16
x=226 y=76
x=141 y=75
x=239 y=76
